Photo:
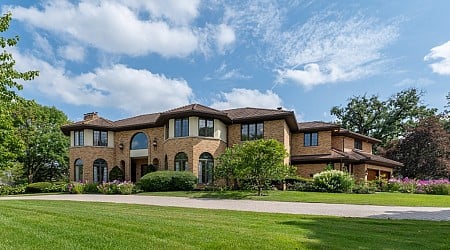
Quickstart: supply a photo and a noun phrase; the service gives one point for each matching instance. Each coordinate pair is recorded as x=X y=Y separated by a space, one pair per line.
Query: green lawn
x=384 y=199
x=83 y=225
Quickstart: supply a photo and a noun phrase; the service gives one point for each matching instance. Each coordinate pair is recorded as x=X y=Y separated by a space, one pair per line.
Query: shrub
x=12 y=190
x=116 y=174
x=440 y=187
x=91 y=188
x=75 y=188
x=334 y=181
x=38 y=187
x=300 y=184
x=126 y=187
x=364 y=189
x=168 y=181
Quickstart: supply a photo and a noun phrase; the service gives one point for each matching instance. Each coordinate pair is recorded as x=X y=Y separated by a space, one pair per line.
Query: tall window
x=181 y=162
x=358 y=144
x=100 y=138
x=166 y=163
x=100 y=171
x=78 y=138
x=78 y=170
x=139 y=141
x=252 y=131
x=205 y=168
x=311 y=139
x=181 y=127
x=206 y=127
x=166 y=131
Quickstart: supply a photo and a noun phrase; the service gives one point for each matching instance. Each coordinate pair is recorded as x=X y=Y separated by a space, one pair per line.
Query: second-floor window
x=78 y=138
x=311 y=139
x=181 y=127
x=358 y=144
x=100 y=138
x=206 y=127
x=252 y=131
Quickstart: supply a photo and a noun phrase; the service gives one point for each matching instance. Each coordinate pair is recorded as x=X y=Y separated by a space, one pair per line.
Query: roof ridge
x=157 y=113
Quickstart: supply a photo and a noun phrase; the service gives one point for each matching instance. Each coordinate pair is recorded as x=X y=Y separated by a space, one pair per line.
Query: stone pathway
x=341 y=210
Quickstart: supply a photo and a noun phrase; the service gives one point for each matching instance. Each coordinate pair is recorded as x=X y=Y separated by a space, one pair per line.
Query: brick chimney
x=90 y=116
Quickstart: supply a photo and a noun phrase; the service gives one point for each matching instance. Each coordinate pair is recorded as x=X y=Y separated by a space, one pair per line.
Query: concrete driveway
x=341 y=210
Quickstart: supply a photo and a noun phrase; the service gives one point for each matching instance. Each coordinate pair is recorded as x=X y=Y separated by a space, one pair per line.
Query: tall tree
x=257 y=162
x=45 y=154
x=384 y=120
x=446 y=114
x=9 y=145
x=424 y=151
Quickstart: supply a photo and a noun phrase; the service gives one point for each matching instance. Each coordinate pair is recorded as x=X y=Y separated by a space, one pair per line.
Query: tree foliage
x=424 y=151
x=8 y=74
x=44 y=157
x=383 y=119
x=257 y=162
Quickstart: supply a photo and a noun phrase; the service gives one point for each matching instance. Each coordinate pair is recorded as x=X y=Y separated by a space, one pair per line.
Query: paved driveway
x=341 y=210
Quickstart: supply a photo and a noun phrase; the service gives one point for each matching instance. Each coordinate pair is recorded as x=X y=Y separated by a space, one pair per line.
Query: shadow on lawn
x=441 y=215
x=361 y=233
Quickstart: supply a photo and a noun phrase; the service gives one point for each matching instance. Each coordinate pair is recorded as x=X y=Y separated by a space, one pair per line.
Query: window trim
x=309 y=143
x=206 y=127
x=181 y=166
x=357 y=143
x=247 y=128
x=78 y=167
x=77 y=135
x=182 y=121
x=100 y=138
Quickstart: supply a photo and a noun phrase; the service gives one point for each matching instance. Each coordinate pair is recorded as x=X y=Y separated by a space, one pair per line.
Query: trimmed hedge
x=168 y=181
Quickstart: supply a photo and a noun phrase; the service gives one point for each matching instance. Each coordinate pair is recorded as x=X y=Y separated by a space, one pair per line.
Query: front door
x=133 y=171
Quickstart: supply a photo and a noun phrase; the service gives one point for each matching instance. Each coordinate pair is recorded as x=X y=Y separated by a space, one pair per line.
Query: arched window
x=181 y=162
x=205 y=168
x=78 y=170
x=100 y=170
x=139 y=141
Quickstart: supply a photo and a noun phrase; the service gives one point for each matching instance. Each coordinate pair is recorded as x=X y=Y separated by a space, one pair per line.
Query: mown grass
x=83 y=225
x=383 y=199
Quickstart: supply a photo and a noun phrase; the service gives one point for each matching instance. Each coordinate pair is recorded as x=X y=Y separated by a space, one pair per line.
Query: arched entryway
x=139 y=152
x=206 y=168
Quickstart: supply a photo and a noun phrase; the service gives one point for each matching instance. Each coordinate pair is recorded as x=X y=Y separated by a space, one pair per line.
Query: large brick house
x=190 y=138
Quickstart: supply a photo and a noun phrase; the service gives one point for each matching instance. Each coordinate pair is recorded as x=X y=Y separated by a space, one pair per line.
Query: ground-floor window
x=205 y=168
x=100 y=171
x=78 y=170
x=181 y=162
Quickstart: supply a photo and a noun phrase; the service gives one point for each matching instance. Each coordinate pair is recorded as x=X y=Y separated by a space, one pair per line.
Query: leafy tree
x=257 y=161
x=384 y=120
x=44 y=157
x=9 y=145
x=424 y=151
x=446 y=114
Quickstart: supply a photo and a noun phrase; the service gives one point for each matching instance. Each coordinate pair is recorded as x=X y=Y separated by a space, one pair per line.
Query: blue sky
x=129 y=57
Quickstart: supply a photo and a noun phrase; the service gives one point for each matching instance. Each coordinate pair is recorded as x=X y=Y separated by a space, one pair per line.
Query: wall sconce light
x=155 y=143
x=121 y=146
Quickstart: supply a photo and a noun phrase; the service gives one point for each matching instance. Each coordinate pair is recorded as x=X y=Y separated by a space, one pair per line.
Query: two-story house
x=190 y=138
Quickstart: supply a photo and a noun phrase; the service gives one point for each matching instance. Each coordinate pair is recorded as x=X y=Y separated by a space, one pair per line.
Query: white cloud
x=420 y=82
x=239 y=98
x=328 y=47
x=72 y=53
x=224 y=73
x=117 y=28
x=225 y=37
x=135 y=91
x=441 y=57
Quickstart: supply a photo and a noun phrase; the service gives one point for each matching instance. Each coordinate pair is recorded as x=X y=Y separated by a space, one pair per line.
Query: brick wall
x=308 y=170
x=89 y=154
x=298 y=148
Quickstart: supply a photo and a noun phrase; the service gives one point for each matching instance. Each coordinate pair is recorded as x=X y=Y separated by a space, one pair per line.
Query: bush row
x=167 y=181
x=406 y=185
x=38 y=187
x=333 y=181
x=114 y=187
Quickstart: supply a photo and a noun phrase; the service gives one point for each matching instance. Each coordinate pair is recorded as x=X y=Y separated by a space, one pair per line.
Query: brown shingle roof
x=355 y=156
x=316 y=126
x=240 y=115
x=148 y=119
x=196 y=110
x=98 y=122
x=346 y=132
